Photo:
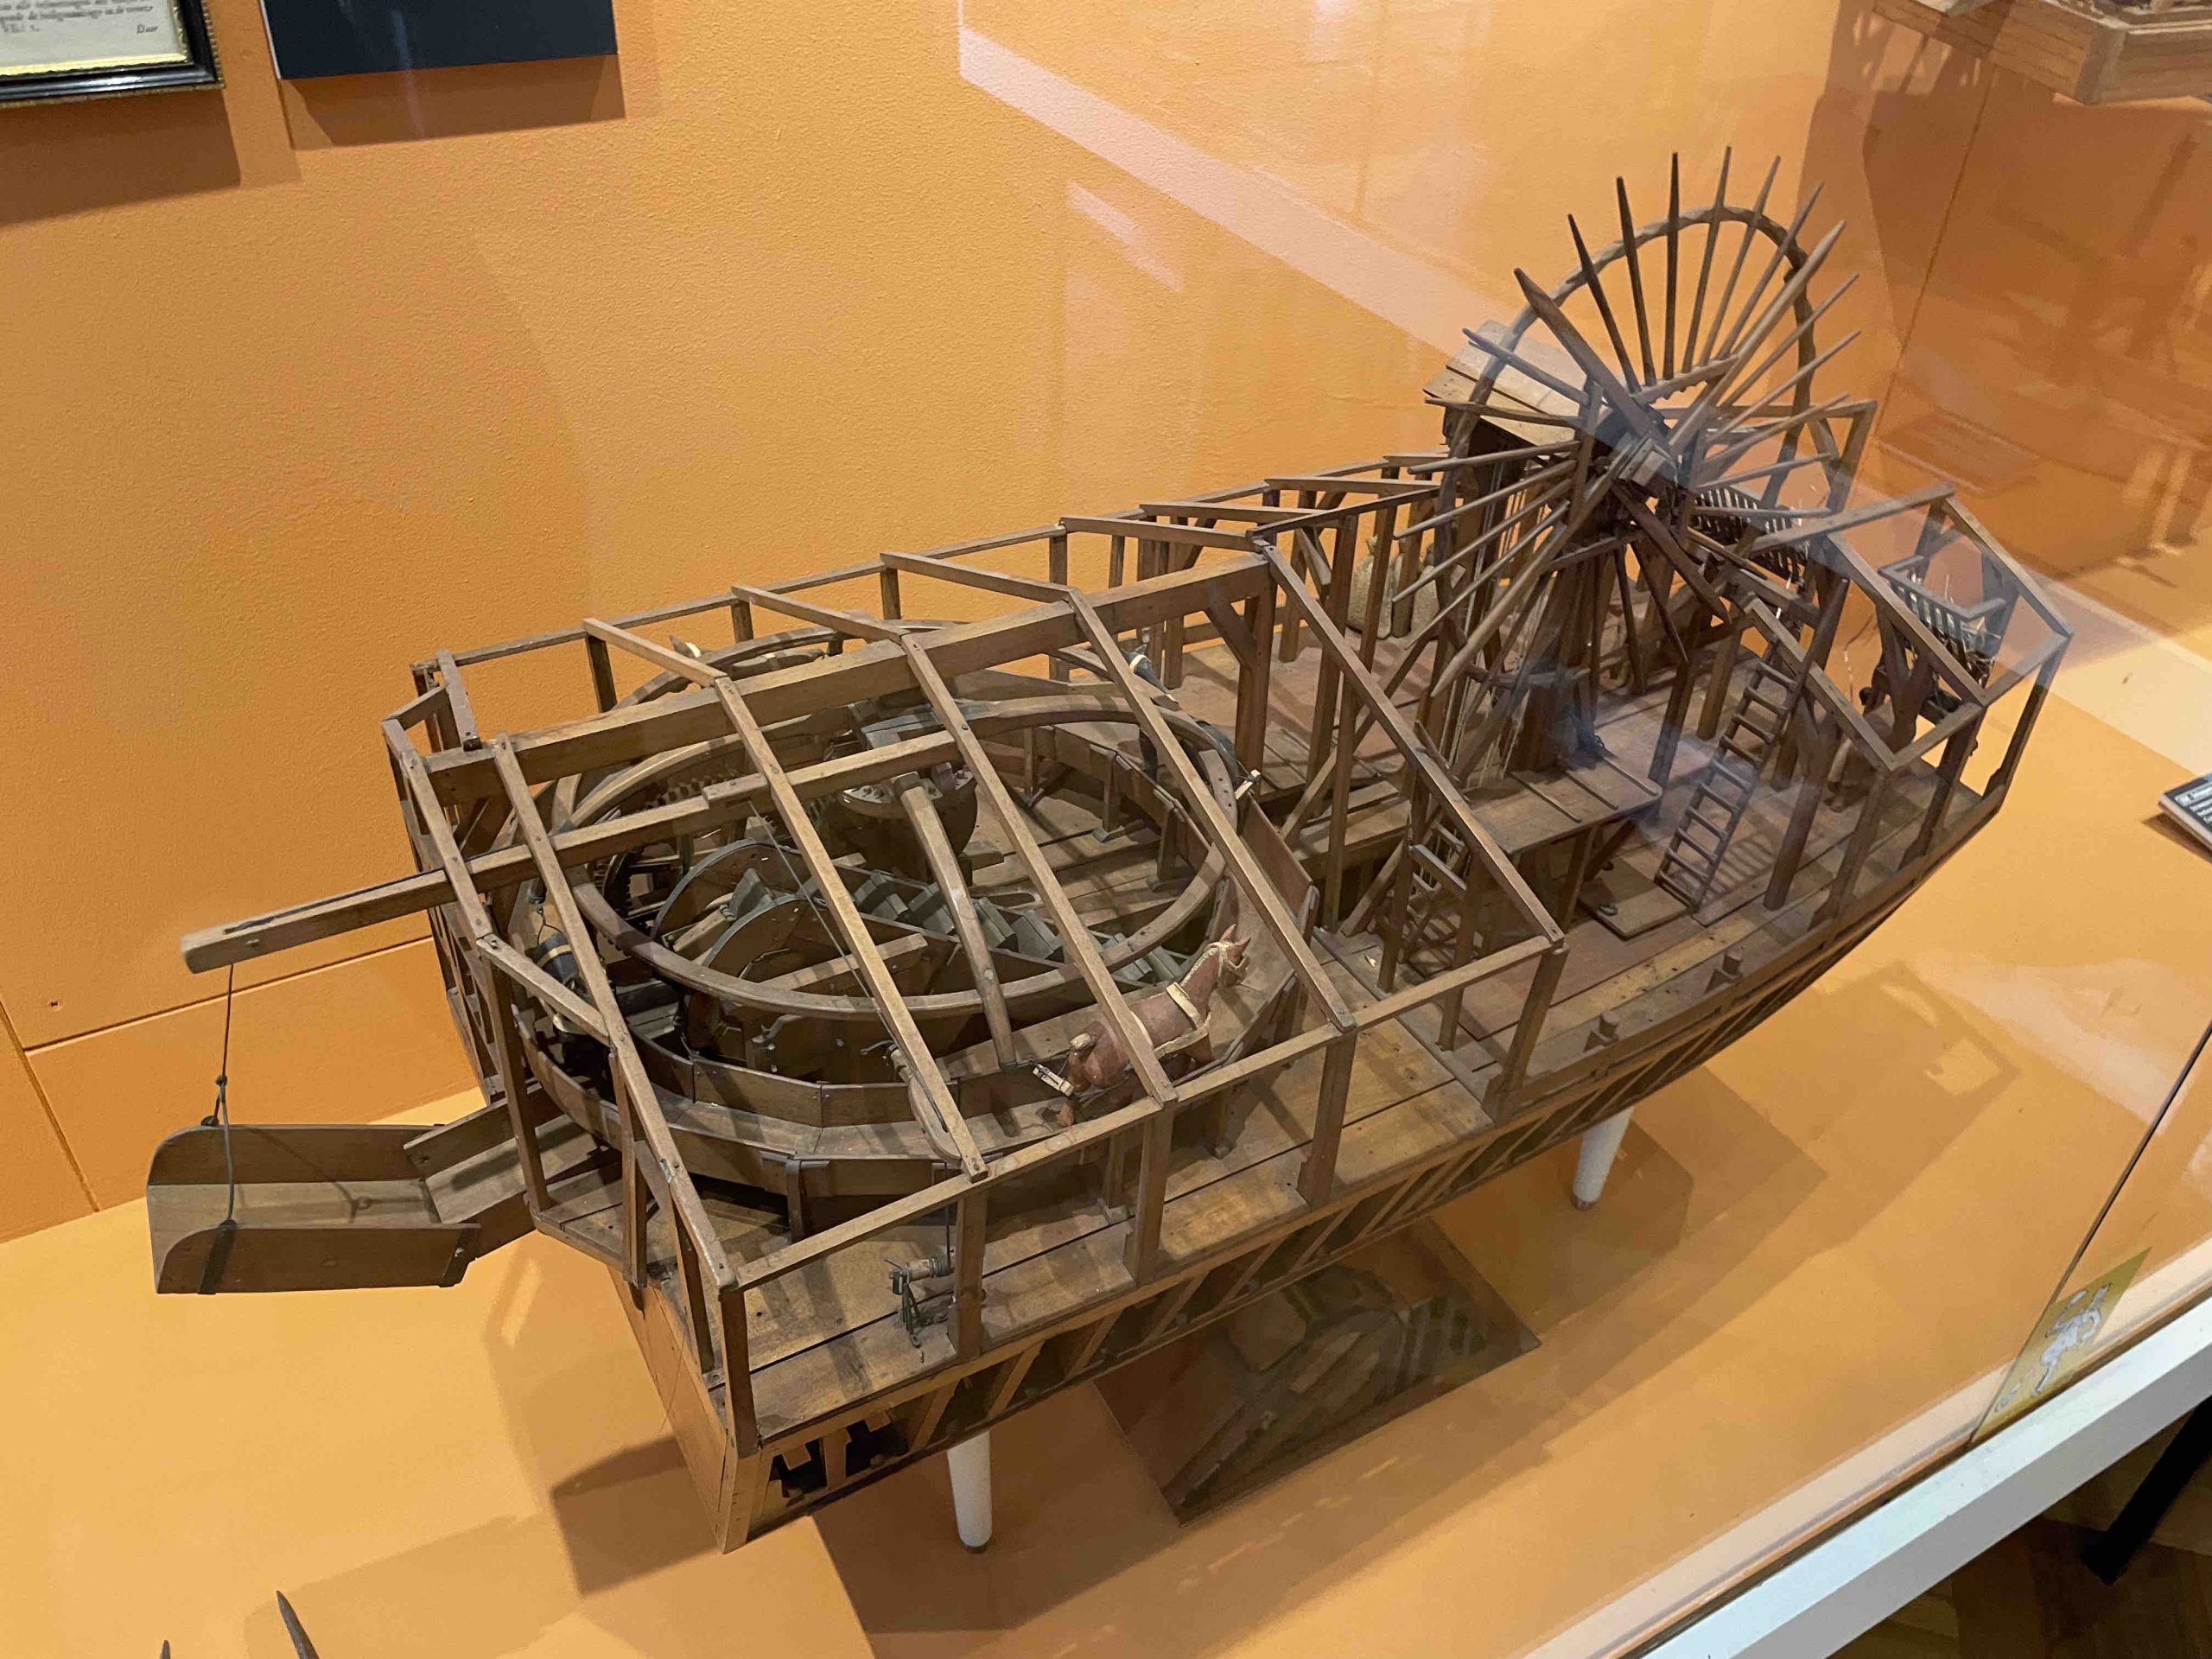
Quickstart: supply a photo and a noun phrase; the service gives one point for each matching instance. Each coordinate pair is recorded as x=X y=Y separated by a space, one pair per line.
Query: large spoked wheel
x=1679 y=330
x=1643 y=423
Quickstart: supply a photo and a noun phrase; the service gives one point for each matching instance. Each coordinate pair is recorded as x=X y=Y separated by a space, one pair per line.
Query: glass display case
x=973 y=269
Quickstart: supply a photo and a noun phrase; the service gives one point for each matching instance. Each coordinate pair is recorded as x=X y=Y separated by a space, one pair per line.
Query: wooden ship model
x=2094 y=51
x=917 y=1018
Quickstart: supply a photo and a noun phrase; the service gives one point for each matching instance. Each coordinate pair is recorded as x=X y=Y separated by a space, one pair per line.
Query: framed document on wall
x=92 y=48
x=313 y=38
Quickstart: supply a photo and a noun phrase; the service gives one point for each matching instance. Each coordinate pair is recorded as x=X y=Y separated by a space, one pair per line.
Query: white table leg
x=1600 y=1146
x=971 y=1464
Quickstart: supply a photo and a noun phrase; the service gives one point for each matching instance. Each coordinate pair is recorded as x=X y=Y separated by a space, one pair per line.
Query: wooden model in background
x=2094 y=51
x=918 y=1017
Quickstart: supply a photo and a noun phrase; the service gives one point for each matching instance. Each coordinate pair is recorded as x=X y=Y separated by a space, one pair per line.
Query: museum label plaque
x=92 y=48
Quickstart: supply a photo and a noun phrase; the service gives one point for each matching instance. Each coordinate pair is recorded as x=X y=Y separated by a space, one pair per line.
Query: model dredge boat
x=918 y=1017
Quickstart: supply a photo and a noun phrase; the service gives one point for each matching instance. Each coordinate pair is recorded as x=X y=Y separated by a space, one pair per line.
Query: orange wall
x=306 y=383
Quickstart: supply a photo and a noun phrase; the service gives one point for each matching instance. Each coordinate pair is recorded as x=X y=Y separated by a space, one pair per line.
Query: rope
x=221 y=1117
x=226 y=1231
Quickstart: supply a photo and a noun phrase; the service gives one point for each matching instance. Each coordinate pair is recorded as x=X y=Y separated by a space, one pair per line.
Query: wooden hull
x=746 y=1492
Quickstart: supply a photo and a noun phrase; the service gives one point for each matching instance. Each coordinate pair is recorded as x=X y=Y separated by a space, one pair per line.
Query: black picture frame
x=198 y=69
x=313 y=39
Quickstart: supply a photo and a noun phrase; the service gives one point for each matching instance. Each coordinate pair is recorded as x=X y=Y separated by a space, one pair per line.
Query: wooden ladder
x=1430 y=901
x=1722 y=795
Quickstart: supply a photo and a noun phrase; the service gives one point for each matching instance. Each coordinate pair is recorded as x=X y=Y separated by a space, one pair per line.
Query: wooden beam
x=655 y=1164
x=1075 y=938
x=874 y=670
x=935 y=1108
x=824 y=616
x=1152 y=530
x=1418 y=754
x=966 y=575
x=945 y=869
x=661 y=657
x=1274 y=915
x=504 y=868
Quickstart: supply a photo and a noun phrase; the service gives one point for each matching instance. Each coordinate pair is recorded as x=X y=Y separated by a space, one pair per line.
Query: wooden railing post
x=1533 y=1010
x=2002 y=778
x=1056 y=571
x=737 y=1370
x=969 y=1216
x=1956 y=748
x=602 y=674
x=1814 y=786
x=1253 y=679
x=1855 y=850
x=1317 y=1176
x=1670 y=726
x=1149 y=1202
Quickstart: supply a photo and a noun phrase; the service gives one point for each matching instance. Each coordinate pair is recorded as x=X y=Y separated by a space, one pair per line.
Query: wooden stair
x=1693 y=858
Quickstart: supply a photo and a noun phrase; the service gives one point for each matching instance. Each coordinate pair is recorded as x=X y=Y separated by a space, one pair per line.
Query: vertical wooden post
x=1378 y=578
x=1817 y=767
x=1533 y=1010
x=1860 y=844
x=741 y=619
x=699 y=1306
x=1716 y=688
x=1333 y=881
x=1172 y=556
x=1463 y=952
x=637 y=1186
x=1670 y=726
x=1444 y=542
x=737 y=1371
x=602 y=673
x=1317 y=1176
x=1056 y=570
x=498 y=1002
x=886 y=583
x=1343 y=553
x=1254 y=680
x=970 y=1217
x=1396 y=906
x=1149 y=1202
x=1116 y=1173
x=1151 y=561
x=1956 y=748
x=2001 y=779
x=1165 y=861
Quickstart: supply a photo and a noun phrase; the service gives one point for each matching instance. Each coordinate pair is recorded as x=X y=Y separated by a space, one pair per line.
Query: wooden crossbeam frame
x=935 y=1108
x=651 y=1165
